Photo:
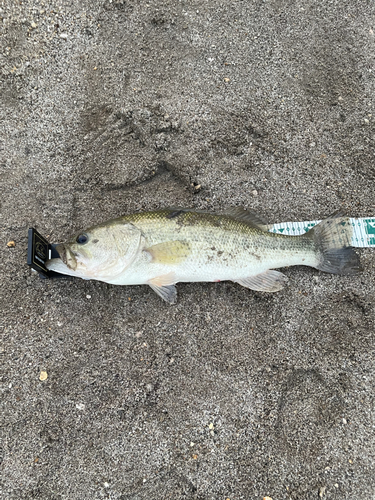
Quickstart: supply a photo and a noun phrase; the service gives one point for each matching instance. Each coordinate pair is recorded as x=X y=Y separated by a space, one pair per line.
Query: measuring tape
x=363 y=230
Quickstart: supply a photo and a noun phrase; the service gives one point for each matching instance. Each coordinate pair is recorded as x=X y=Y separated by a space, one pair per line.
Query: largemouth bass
x=165 y=247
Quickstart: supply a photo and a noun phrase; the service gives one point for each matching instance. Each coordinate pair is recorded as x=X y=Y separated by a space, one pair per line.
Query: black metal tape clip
x=39 y=250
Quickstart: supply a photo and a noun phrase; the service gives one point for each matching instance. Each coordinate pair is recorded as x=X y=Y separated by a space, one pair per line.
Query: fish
x=165 y=247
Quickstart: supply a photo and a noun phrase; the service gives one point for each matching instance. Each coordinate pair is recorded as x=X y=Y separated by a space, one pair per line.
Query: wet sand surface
x=109 y=107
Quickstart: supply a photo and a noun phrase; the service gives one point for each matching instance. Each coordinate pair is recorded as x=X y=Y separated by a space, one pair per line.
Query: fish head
x=100 y=252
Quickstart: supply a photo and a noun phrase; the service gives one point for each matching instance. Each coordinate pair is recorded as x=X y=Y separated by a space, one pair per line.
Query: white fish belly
x=214 y=266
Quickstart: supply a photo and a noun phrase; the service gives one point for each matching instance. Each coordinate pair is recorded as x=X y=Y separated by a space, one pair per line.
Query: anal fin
x=269 y=281
x=164 y=286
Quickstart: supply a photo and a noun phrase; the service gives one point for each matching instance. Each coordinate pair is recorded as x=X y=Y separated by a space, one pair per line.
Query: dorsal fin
x=251 y=218
x=248 y=216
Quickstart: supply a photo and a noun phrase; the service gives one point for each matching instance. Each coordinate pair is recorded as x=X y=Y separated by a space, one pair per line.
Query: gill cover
x=104 y=253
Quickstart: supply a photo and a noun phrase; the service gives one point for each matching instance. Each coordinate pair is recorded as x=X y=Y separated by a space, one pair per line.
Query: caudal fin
x=332 y=238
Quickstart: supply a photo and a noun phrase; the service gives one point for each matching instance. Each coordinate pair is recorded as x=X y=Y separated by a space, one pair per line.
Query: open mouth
x=67 y=256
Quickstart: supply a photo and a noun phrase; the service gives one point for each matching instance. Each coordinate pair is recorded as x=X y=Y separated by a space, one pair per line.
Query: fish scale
x=165 y=247
x=222 y=248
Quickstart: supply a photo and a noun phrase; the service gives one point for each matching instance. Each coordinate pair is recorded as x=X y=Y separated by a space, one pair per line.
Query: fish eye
x=82 y=239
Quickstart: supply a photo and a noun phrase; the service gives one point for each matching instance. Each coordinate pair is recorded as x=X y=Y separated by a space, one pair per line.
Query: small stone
x=267 y=498
x=80 y=406
x=254 y=192
x=43 y=376
x=11 y=244
x=211 y=426
x=33 y=25
x=366 y=121
x=64 y=36
x=322 y=491
x=88 y=296
x=336 y=485
x=226 y=80
x=344 y=421
x=106 y=485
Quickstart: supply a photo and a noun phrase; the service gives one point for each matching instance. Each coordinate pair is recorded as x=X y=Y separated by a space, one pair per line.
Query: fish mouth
x=67 y=256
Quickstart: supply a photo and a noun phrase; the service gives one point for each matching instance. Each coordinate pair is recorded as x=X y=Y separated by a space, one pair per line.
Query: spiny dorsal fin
x=251 y=218
x=169 y=252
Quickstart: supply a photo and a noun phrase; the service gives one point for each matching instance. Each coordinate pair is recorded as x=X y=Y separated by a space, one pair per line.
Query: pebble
x=43 y=376
x=226 y=80
x=80 y=406
x=11 y=244
x=64 y=36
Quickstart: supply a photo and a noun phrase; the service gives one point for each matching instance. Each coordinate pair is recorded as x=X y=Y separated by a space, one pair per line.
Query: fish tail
x=332 y=240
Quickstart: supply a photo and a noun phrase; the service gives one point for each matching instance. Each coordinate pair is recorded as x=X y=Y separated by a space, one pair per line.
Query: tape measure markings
x=363 y=230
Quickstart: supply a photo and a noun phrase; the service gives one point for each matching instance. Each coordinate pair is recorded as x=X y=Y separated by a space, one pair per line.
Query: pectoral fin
x=169 y=252
x=164 y=287
x=269 y=281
